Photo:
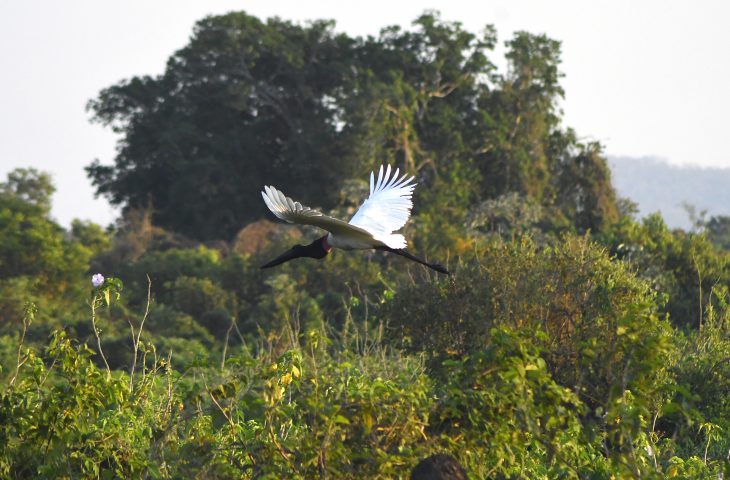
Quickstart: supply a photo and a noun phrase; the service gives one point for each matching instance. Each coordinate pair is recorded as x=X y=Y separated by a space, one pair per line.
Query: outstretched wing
x=389 y=205
x=294 y=212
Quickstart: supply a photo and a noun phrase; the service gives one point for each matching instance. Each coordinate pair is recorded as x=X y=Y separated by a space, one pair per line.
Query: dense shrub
x=295 y=416
x=699 y=414
x=682 y=267
x=500 y=405
x=197 y=296
x=318 y=410
x=596 y=323
x=165 y=267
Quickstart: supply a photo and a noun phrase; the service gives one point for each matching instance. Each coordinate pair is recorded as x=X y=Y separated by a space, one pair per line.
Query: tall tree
x=30 y=187
x=38 y=259
x=245 y=103
x=249 y=102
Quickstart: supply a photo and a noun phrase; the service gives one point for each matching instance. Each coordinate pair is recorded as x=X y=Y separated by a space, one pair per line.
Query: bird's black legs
x=402 y=252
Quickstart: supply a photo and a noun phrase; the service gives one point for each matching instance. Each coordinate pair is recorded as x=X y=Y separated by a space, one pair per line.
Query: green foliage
x=509 y=216
x=166 y=323
x=583 y=191
x=341 y=416
x=700 y=411
x=319 y=409
x=91 y=236
x=543 y=362
x=296 y=416
x=598 y=323
x=166 y=267
x=30 y=188
x=70 y=424
x=270 y=115
x=684 y=267
x=718 y=231
x=510 y=416
x=248 y=103
x=545 y=355
x=39 y=262
x=198 y=296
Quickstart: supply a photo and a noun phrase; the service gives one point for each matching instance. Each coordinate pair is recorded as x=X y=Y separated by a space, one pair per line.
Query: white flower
x=97 y=280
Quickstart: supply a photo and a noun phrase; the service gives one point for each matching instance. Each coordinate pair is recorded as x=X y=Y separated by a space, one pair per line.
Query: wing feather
x=294 y=212
x=389 y=205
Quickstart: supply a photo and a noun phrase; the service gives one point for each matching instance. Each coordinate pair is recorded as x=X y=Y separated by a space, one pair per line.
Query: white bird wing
x=389 y=205
x=294 y=212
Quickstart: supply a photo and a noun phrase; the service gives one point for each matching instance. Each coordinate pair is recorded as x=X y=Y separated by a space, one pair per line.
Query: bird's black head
x=317 y=249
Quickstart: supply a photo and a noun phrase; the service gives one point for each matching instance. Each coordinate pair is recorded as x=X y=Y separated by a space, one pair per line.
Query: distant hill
x=656 y=185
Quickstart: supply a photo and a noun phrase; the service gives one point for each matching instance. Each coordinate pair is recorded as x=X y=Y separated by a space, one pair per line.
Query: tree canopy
x=248 y=103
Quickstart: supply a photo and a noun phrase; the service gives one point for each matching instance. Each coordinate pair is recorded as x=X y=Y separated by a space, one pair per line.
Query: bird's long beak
x=284 y=257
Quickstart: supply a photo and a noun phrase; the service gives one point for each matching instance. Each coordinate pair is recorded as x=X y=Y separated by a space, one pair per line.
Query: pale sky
x=645 y=78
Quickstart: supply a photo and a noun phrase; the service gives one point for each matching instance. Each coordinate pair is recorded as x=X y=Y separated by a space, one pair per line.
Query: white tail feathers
x=394 y=240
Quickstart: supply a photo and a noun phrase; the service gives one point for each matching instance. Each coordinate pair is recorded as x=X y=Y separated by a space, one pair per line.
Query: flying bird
x=384 y=212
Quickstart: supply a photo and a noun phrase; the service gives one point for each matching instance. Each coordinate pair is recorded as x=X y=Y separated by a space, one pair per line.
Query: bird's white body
x=386 y=210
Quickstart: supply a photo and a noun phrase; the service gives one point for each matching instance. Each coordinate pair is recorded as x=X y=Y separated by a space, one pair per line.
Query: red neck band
x=327 y=247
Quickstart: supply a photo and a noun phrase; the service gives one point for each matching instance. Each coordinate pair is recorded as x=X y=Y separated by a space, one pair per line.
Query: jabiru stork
x=386 y=210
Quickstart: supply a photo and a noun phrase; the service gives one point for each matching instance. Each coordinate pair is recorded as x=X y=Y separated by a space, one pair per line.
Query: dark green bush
x=165 y=267
x=595 y=322
x=682 y=267
x=501 y=407
x=699 y=414
x=196 y=296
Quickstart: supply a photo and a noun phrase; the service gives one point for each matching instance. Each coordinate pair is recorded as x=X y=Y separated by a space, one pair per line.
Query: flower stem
x=97 y=334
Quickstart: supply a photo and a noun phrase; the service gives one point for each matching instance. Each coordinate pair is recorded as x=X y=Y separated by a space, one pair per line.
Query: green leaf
x=342 y=420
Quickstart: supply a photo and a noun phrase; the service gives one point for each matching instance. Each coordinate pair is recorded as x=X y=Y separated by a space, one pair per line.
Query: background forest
x=572 y=340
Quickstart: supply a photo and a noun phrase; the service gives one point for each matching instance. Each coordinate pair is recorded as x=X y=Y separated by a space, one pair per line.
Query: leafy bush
x=197 y=296
x=165 y=267
x=596 y=323
x=501 y=407
x=310 y=404
x=164 y=321
x=682 y=267
x=699 y=415
x=72 y=420
x=39 y=262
